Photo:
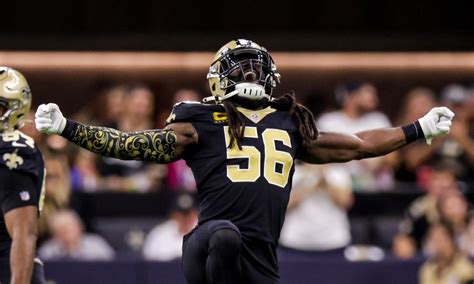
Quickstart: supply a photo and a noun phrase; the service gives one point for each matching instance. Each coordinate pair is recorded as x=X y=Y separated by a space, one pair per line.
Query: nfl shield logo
x=25 y=195
x=255 y=117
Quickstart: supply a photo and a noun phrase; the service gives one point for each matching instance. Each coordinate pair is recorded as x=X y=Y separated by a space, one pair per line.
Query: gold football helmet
x=15 y=99
x=243 y=68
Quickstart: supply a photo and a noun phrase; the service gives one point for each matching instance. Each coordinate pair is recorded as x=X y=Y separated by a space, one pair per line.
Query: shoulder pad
x=19 y=153
x=193 y=112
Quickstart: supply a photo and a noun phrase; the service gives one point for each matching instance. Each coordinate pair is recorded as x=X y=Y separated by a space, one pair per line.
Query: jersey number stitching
x=14 y=136
x=272 y=157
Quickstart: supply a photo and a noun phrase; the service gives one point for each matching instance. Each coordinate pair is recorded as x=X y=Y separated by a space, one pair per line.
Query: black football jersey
x=250 y=187
x=21 y=179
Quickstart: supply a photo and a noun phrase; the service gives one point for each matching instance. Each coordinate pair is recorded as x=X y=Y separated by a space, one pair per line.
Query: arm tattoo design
x=156 y=146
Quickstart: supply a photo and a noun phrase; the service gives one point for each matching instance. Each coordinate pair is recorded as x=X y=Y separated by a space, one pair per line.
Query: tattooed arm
x=158 y=145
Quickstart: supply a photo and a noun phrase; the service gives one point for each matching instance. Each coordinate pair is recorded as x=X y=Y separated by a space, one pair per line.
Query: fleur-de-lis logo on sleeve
x=12 y=160
x=171 y=118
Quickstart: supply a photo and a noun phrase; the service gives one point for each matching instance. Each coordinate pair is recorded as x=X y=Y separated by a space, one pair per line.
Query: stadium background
x=71 y=52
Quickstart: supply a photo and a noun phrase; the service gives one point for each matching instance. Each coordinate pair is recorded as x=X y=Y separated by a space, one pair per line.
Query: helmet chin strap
x=250 y=91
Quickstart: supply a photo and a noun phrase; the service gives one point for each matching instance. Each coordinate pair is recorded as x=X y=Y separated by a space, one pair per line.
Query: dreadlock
x=236 y=124
x=302 y=116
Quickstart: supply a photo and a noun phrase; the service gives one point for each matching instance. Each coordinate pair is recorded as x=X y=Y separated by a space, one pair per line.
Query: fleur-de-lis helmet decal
x=15 y=99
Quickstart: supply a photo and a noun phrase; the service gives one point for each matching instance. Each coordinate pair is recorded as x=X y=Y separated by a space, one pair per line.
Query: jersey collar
x=256 y=115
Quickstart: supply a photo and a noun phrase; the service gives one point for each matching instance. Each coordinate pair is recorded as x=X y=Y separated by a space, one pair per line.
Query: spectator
x=469 y=106
x=135 y=176
x=57 y=191
x=408 y=161
x=466 y=240
x=424 y=211
x=70 y=242
x=138 y=108
x=318 y=206
x=359 y=102
x=111 y=108
x=57 y=145
x=445 y=264
x=183 y=95
x=30 y=130
x=458 y=147
x=106 y=110
x=84 y=173
x=453 y=210
x=164 y=243
x=180 y=176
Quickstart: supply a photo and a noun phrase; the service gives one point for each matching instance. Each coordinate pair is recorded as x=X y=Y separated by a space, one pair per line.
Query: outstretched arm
x=336 y=147
x=158 y=145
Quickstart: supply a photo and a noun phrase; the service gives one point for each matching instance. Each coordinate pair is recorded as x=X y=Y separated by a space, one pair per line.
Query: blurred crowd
x=63 y=234
x=439 y=225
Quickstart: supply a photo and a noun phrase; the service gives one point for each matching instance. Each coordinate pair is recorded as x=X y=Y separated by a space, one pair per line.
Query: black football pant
x=214 y=252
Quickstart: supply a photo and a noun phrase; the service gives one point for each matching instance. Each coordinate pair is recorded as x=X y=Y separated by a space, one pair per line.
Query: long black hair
x=302 y=116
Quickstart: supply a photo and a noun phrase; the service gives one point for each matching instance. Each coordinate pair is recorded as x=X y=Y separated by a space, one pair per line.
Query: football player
x=21 y=184
x=241 y=146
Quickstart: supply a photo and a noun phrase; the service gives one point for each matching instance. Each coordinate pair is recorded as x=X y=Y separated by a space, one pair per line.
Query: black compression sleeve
x=157 y=145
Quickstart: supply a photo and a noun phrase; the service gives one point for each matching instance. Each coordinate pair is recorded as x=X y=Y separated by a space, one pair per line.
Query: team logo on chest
x=12 y=160
x=254 y=117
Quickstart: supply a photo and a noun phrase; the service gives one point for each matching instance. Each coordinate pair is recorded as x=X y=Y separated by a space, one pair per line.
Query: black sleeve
x=16 y=190
x=183 y=112
x=156 y=145
x=196 y=112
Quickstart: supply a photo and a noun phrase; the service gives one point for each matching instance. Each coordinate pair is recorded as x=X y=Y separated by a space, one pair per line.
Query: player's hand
x=436 y=122
x=49 y=119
